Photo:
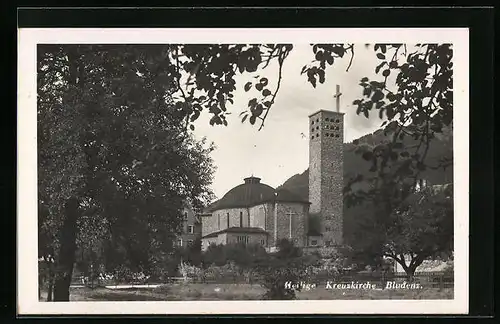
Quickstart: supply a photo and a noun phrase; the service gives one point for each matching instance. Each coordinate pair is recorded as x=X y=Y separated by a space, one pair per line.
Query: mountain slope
x=353 y=163
x=356 y=217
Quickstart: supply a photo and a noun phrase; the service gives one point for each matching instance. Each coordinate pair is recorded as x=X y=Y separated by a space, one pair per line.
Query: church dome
x=251 y=193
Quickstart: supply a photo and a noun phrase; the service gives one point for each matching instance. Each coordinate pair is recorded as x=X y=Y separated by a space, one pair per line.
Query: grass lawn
x=192 y=291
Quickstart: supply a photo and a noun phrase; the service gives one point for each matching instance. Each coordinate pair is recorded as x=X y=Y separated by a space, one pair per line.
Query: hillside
x=355 y=217
x=353 y=163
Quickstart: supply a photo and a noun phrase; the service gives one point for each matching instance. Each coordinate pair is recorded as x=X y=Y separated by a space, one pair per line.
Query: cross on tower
x=290 y=214
x=337 y=97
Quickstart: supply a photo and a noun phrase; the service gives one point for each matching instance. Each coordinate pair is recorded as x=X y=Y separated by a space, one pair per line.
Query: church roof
x=251 y=193
x=242 y=230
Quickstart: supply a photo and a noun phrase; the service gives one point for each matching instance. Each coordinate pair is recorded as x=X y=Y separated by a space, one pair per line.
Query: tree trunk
x=41 y=282
x=50 y=292
x=410 y=272
x=67 y=252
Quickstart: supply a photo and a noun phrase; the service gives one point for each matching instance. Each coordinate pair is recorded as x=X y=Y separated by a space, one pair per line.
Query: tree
x=283 y=270
x=414 y=95
x=115 y=158
x=167 y=87
x=421 y=227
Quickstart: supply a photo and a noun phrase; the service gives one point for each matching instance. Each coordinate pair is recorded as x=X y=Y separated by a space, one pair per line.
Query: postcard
x=243 y=171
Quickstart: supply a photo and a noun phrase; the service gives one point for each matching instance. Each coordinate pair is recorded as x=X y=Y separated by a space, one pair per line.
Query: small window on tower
x=326 y=134
x=312 y=136
x=312 y=123
x=337 y=121
x=312 y=129
x=317 y=120
x=317 y=127
x=337 y=135
x=327 y=119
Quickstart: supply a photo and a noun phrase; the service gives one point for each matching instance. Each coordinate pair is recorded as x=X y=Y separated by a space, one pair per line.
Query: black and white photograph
x=199 y=167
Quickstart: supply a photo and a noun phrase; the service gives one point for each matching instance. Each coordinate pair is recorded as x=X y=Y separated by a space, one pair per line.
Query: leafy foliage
x=286 y=265
x=244 y=256
x=414 y=97
x=110 y=139
x=421 y=108
x=114 y=124
x=421 y=227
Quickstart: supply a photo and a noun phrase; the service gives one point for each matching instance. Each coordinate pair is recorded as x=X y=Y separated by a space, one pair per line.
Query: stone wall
x=326 y=172
x=298 y=224
x=269 y=221
x=258 y=215
x=250 y=217
x=209 y=224
x=253 y=238
x=262 y=216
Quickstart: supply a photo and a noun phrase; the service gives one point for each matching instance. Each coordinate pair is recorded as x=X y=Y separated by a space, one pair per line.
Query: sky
x=279 y=150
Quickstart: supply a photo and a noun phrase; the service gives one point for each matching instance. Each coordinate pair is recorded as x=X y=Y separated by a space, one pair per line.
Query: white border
x=27 y=167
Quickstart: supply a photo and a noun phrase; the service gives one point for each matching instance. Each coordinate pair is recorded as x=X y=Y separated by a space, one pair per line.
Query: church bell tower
x=326 y=172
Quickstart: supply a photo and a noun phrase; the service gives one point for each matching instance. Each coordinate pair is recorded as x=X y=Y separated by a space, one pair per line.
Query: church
x=256 y=213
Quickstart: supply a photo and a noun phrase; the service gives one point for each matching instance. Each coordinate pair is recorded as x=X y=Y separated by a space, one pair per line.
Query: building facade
x=190 y=229
x=255 y=213
x=326 y=171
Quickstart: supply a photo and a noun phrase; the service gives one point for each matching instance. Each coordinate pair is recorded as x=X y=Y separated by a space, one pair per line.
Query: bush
x=188 y=271
x=286 y=265
x=280 y=273
x=244 y=256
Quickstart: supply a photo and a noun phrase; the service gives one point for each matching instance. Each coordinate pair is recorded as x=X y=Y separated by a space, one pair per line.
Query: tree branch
x=281 y=58
x=177 y=79
x=351 y=47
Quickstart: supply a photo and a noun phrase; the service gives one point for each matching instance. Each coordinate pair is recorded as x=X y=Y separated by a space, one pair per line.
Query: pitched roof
x=242 y=230
x=252 y=192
